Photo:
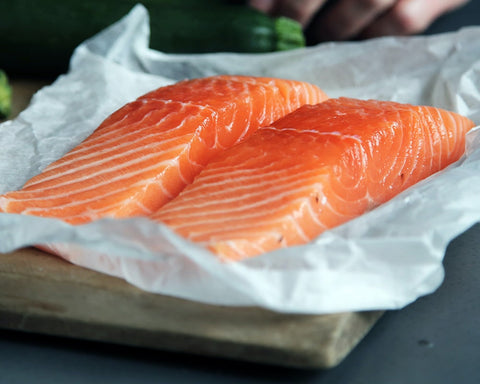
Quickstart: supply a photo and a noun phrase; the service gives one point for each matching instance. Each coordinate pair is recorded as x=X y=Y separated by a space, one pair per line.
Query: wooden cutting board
x=44 y=294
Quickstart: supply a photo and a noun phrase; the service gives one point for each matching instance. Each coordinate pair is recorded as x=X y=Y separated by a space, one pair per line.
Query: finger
x=299 y=10
x=346 y=18
x=408 y=17
x=266 y=6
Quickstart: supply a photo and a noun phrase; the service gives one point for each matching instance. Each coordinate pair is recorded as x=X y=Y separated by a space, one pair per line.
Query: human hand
x=348 y=19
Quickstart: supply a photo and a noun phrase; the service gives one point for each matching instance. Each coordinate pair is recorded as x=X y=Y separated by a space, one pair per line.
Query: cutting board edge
x=42 y=293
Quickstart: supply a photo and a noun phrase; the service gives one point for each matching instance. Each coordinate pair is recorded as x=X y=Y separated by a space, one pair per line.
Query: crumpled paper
x=385 y=259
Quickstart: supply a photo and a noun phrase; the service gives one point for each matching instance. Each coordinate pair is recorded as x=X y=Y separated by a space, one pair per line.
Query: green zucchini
x=5 y=96
x=38 y=38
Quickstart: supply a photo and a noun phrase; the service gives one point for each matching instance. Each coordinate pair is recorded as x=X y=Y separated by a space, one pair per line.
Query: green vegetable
x=5 y=96
x=39 y=37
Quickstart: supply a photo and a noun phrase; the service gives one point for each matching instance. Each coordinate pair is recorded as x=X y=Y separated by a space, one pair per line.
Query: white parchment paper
x=383 y=260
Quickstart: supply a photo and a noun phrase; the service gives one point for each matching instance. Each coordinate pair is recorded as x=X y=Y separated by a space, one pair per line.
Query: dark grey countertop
x=434 y=340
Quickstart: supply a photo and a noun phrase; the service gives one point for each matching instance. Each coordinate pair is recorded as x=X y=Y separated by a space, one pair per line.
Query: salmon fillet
x=310 y=171
x=145 y=153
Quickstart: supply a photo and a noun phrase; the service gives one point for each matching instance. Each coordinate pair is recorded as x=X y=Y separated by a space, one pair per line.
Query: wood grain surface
x=44 y=294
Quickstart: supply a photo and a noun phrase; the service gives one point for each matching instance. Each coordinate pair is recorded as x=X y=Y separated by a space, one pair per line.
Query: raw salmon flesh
x=145 y=153
x=310 y=171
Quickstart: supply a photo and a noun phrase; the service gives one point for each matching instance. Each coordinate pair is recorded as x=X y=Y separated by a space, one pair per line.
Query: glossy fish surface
x=145 y=153
x=310 y=171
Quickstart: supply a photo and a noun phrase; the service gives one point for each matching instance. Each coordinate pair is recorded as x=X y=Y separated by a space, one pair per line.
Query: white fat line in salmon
x=106 y=182
x=69 y=216
x=242 y=226
x=220 y=176
x=271 y=180
x=239 y=223
x=278 y=194
x=95 y=214
x=112 y=129
x=233 y=245
x=107 y=171
x=250 y=114
x=100 y=160
x=315 y=133
x=72 y=156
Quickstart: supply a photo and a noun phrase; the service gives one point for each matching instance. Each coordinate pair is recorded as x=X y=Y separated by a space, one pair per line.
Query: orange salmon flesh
x=145 y=153
x=244 y=165
x=310 y=171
